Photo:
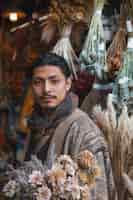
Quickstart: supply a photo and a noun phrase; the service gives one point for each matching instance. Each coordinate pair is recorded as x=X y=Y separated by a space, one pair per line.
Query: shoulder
x=83 y=117
x=83 y=133
x=83 y=121
x=78 y=113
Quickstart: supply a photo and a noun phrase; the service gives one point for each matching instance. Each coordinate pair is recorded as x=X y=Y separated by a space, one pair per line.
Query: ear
x=68 y=83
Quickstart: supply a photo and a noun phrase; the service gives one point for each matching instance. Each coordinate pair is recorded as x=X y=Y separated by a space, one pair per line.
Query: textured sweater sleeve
x=84 y=134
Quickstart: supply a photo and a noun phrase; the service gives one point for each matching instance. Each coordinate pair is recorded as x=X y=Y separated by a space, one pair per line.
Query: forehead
x=46 y=71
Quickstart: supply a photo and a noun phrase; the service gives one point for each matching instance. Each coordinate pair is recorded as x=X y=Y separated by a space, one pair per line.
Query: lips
x=46 y=99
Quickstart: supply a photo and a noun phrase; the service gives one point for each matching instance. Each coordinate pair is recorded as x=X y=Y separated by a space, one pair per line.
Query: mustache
x=47 y=96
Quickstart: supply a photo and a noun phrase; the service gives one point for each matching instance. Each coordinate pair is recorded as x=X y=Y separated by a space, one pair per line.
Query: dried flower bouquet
x=67 y=179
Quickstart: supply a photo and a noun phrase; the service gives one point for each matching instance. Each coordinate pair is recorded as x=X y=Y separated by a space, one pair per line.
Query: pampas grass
x=118 y=131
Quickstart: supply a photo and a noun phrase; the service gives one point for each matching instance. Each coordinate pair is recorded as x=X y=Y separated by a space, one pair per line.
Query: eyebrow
x=49 y=78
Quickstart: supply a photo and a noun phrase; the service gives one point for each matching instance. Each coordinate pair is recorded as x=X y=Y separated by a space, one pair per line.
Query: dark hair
x=52 y=59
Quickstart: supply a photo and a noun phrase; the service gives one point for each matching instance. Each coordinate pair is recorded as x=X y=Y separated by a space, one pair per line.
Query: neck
x=49 y=111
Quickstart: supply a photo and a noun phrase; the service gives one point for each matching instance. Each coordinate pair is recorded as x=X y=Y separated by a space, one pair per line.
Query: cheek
x=37 y=91
x=62 y=91
x=62 y=88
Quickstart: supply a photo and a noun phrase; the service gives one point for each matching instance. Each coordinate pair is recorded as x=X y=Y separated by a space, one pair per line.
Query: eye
x=37 y=82
x=55 y=81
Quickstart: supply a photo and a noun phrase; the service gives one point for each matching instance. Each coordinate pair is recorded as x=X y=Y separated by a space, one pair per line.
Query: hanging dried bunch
x=119 y=135
x=50 y=32
x=74 y=10
x=130 y=4
x=93 y=53
x=64 y=48
x=117 y=47
x=78 y=35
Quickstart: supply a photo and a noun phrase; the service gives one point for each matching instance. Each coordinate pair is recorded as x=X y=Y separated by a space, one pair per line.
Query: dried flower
x=73 y=187
x=85 y=159
x=56 y=176
x=67 y=164
x=36 y=178
x=11 y=188
x=36 y=181
x=85 y=193
x=44 y=193
x=88 y=168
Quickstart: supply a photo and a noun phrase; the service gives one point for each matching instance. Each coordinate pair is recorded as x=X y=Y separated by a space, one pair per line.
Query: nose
x=46 y=86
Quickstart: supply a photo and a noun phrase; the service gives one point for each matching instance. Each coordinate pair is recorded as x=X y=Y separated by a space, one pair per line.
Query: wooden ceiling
x=28 y=6
x=36 y=5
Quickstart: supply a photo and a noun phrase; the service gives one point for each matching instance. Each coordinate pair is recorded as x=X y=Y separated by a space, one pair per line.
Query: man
x=58 y=127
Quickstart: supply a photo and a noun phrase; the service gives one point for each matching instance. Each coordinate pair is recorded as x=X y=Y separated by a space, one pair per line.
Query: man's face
x=50 y=86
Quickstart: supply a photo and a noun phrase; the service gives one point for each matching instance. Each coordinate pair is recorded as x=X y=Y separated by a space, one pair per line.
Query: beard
x=47 y=102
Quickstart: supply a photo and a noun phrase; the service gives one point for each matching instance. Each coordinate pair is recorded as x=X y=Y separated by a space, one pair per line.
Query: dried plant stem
x=118 y=133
